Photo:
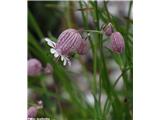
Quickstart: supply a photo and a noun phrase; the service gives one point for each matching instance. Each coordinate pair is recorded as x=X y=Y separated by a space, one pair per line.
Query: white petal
x=56 y=54
x=62 y=58
x=52 y=50
x=50 y=42
x=65 y=61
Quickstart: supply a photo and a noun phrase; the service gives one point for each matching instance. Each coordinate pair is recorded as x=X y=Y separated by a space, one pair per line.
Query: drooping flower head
x=117 y=42
x=69 y=41
x=107 y=29
x=34 y=67
x=32 y=111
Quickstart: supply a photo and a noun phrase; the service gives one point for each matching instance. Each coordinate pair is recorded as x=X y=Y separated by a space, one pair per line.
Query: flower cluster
x=117 y=40
x=70 y=41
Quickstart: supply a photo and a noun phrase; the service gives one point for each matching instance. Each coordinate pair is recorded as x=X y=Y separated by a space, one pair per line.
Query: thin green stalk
x=94 y=69
x=68 y=15
x=124 y=71
x=33 y=24
x=100 y=89
x=100 y=47
x=92 y=46
x=83 y=15
x=106 y=9
x=129 y=13
x=97 y=15
x=106 y=108
x=93 y=31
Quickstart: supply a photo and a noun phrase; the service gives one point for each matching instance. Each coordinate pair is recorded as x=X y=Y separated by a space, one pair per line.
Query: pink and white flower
x=68 y=42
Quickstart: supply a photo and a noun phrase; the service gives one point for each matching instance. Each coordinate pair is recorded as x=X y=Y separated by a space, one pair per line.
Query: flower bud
x=69 y=41
x=32 y=112
x=107 y=29
x=34 y=67
x=117 y=42
x=48 y=69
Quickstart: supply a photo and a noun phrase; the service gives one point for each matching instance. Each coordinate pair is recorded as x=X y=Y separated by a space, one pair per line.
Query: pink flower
x=117 y=42
x=107 y=29
x=68 y=42
x=32 y=112
x=34 y=67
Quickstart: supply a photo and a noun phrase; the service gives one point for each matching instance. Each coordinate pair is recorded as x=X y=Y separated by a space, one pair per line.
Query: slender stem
x=95 y=48
x=100 y=89
x=97 y=15
x=106 y=9
x=106 y=108
x=100 y=47
x=58 y=100
x=120 y=77
x=83 y=15
x=129 y=13
x=92 y=46
x=94 y=31
x=94 y=69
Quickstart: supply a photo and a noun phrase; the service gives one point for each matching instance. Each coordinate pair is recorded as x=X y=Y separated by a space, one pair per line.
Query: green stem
x=100 y=89
x=106 y=9
x=97 y=15
x=100 y=47
x=129 y=13
x=94 y=31
x=92 y=46
x=94 y=70
x=120 y=77
x=83 y=15
x=106 y=108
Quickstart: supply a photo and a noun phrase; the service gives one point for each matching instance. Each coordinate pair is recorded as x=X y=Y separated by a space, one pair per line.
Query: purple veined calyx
x=107 y=29
x=69 y=41
x=117 y=42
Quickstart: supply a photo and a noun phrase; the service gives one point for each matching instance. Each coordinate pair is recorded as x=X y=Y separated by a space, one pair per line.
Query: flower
x=32 y=112
x=107 y=29
x=117 y=42
x=68 y=42
x=34 y=67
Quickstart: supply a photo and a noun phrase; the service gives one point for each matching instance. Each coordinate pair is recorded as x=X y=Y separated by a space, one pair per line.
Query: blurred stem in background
x=106 y=10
